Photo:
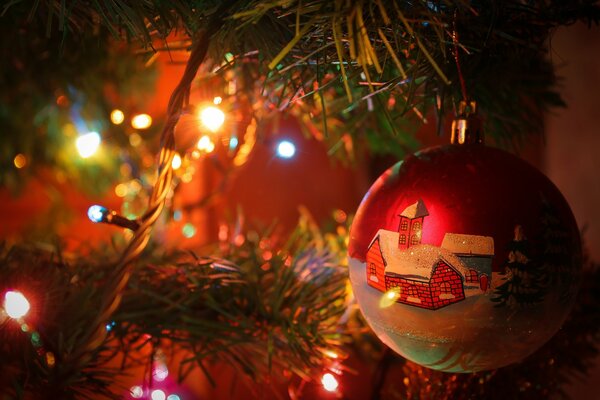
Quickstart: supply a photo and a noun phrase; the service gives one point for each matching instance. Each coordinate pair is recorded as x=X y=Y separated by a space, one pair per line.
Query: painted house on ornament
x=423 y=275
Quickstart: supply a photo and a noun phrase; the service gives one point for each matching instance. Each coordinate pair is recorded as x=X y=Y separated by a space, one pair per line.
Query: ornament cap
x=467 y=127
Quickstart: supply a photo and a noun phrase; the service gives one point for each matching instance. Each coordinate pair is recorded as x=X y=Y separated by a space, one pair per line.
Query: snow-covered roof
x=415 y=210
x=417 y=261
x=469 y=244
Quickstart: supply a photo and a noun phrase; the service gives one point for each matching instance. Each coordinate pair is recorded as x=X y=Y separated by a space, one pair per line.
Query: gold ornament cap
x=467 y=126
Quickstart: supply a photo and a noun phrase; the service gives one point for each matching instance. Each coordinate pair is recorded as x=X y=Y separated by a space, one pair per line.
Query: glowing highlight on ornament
x=88 y=144
x=389 y=297
x=158 y=395
x=97 y=213
x=176 y=163
x=205 y=144
x=329 y=382
x=117 y=117
x=286 y=149
x=136 y=392
x=141 y=121
x=15 y=304
x=20 y=160
x=212 y=118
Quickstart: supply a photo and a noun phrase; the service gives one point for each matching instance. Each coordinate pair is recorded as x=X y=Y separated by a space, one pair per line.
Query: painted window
x=404 y=225
x=414 y=239
x=402 y=239
x=416 y=226
x=472 y=277
x=372 y=269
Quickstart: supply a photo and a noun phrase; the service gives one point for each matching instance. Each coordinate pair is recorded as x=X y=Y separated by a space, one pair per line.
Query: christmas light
x=117 y=117
x=205 y=144
x=212 y=118
x=218 y=100
x=329 y=382
x=158 y=395
x=20 y=161
x=141 y=121
x=160 y=372
x=88 y=144
x=188 y=230
x=286 y=149
x=15 y=304
x=97 y=213
x=173 y=397
x=136 y=392
x=176 y=163
x=135 y=139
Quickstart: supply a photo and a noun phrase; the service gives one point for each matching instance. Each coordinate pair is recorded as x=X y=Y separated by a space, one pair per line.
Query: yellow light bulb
x=176 y=163
x=15 y=304
x=141 y=121
x=212 y=118
x=117 y=117
x=205 y=144
x=20 y=160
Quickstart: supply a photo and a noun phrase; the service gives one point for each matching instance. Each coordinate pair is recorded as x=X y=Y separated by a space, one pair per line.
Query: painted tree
x=523 y=277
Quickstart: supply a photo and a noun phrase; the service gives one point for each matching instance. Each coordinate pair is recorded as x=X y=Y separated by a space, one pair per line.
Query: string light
x=286 y=149
x=135 y=139
x=88 y=144
x=117 y=117
x=136 y=392
x=205 y=144
x=98 y=214
x=188 y=230
x=158 y=395
x=212 y=118
x=160 y=372
x=173 y=397
x=20 y=160
x=176 y=163
x=218 y=100
x=15 y=304
x=141 y=121
x=329 y=382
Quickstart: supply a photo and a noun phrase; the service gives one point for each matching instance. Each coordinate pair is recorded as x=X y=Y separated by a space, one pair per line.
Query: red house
x=423 y=275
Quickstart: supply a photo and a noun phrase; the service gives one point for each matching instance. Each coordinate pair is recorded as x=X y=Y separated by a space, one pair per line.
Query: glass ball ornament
x=464 y=258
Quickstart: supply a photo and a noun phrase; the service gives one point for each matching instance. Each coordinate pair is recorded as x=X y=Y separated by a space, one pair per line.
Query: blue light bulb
x=97 y=213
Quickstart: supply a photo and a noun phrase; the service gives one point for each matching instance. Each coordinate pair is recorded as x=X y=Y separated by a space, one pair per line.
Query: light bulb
x=176 y=163
x=286 y=149
x=329 y=382
x=97 y=213
x=88 y=144
x=212 y=118
x=141 y=121
x=15 y=304
x=158 y=395
x=117 y=117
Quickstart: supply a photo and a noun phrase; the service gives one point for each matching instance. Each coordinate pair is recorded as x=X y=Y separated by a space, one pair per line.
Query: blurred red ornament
x=464 y=258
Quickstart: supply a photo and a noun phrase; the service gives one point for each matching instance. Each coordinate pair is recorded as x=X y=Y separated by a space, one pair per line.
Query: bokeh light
x=188 y=230
x=212 y=118
x=205 y=144
x=20 y=160
x=88 y=144
x=329 y=382
x=136 y=392
x=117 y=117
x=286 y=149
x=141 y=121
x=173 y=397
x=158 y=395
x=15 y=304
x=176 y=163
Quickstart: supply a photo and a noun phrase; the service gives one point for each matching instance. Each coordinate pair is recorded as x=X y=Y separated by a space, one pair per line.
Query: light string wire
x=120 y=276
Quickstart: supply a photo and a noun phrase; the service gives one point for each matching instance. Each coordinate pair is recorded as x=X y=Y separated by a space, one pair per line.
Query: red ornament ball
x=464 y=258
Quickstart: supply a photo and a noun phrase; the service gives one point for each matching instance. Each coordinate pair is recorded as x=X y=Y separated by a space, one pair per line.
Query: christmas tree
x=523 y=279
x=227 y=144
